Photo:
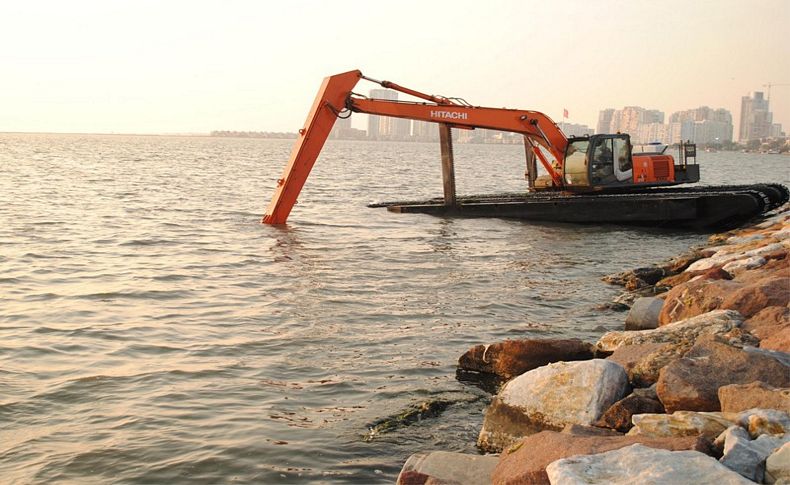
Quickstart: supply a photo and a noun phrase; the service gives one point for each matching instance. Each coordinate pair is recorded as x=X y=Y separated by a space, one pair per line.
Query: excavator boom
x=331 y=99
x=336 y=96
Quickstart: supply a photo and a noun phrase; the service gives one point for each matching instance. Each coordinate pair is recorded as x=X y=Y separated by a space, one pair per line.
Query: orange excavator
x=596 y=178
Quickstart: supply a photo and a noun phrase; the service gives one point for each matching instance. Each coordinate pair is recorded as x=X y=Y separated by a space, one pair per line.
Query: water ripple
x=152 y=331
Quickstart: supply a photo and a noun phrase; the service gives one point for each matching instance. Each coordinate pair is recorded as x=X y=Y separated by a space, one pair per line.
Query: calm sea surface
x=152 y=331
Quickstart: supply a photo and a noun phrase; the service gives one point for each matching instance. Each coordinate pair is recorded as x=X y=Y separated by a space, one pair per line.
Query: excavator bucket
x=328 y=103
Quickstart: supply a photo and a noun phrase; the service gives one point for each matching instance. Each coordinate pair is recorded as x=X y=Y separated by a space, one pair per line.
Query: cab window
x=575 y=166
x=602 y=162
x=623 y=154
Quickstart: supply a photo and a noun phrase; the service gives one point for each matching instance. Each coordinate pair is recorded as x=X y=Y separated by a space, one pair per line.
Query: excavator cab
x=598 y=161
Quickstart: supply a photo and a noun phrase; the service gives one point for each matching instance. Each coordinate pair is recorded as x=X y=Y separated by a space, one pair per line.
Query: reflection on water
x=153 y=331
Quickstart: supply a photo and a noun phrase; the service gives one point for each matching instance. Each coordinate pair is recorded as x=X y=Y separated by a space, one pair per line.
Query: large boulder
x=682 y=423
x=514 y=357
x=695 y=298
x=444 y=467
x=644 y=313
x=640 y=464
x=750 y=299
x=779 y=341
x=777 y=466
x=680 y=332
x=692 y=383
x=748 y=293
x=525 y=462
x=618 y=416
x=643 y=362
x=550 y=397
x=746 y=456
x=740 y=397
x=772 y=326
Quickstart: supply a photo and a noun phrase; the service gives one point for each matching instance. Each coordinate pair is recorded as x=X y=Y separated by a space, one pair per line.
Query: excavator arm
x=336 y=95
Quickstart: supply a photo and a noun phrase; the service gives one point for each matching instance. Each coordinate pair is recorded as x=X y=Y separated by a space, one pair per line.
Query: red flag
x=564 y=113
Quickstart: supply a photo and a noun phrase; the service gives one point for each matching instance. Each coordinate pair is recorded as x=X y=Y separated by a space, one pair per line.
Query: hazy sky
x=196 y=66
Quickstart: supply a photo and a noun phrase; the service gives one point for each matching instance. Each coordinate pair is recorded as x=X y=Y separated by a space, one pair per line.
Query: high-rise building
x=375 y=122
x=702 y=125
x=425 y=131
x=387 y=127
x=342 y=128
x=629 y=118
x=650 y=133
x=575 y=129
x=395 y=128
x=604 y=121
x=681 y=131
x=756 y=119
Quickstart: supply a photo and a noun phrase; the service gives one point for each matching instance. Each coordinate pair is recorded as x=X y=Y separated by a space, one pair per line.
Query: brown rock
x=779 y=340
x=719 y=237
x=680 y=263
x=618 y=416
x=716 y=273
x=526 y=461
x=417 y=478
x=695 y=298
x=740 y=397
x=514 y=357
x=643 y=362
x=772 y=326
x=750 y=299
x=678 y=279
x=774 y=267
x=770 y=316
x=692 y=383
x=579 y=430
x=780 y=254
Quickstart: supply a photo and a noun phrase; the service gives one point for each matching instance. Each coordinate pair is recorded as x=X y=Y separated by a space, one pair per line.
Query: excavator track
x=701 y=208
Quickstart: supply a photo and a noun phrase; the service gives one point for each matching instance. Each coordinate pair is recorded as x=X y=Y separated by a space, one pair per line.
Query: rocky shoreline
x=695 y=389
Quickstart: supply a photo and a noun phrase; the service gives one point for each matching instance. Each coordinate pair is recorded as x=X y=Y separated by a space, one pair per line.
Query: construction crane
x=769 y=85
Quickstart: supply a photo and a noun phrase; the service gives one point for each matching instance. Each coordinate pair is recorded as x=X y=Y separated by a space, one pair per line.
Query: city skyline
x=703 y=125
x=194 y=67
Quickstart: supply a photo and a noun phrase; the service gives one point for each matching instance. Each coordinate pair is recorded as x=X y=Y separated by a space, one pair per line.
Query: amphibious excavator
x=592 y=179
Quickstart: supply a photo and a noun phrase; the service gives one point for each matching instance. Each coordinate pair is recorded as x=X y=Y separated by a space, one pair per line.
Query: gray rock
x=747 y=456
x=741 y=265
x=447 y=467
x=644 y=314
x=643 y=465
x=724 y=256
x=777 y=466
x=783 y=357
